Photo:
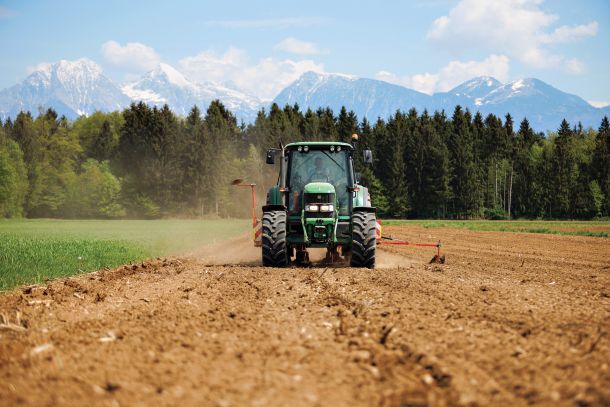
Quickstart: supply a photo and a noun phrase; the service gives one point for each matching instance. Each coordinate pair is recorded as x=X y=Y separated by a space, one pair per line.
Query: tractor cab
x=319 y=178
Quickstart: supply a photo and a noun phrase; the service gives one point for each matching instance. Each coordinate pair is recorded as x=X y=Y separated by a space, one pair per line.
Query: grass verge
x=574 y=228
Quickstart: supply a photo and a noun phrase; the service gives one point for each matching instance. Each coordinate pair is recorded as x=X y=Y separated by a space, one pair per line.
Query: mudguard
x=268 y=208
x=369 y=209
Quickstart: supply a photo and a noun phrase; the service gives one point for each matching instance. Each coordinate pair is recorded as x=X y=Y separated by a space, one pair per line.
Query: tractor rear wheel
x=275 y=251
x=363 y=240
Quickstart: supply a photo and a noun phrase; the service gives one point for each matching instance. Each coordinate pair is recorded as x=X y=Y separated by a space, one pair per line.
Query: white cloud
x=596 y=103
x=294 y=46
x=133 y=56
x=517 y=28
x=274 y=23
x=451 y=75
x=566 y=34
x=265 y=78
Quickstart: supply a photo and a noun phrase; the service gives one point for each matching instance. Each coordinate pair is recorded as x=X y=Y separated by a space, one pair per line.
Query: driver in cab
x=319 y=173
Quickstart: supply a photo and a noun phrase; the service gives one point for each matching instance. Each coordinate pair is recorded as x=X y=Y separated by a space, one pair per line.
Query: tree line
x=147 y=162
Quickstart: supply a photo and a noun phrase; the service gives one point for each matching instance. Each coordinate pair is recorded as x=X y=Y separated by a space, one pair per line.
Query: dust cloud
x=237 y=251
x=241 y=251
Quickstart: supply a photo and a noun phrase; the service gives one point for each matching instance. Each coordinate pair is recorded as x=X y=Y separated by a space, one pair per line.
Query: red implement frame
x=390 y=240
x=438 y=258
x=257 y=230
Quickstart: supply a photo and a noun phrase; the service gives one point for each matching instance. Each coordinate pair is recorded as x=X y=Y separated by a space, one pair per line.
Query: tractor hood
x=319 y=188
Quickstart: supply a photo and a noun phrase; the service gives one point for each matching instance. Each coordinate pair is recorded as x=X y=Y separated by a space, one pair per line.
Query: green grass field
x=578 y=228
x=33 y=250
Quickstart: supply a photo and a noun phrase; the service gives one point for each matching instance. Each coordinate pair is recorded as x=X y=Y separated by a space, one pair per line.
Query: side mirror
x=358 y=178
x=368 y=156
x=270 y=157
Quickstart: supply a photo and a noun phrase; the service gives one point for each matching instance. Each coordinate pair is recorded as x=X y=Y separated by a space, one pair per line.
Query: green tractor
x=318 y=203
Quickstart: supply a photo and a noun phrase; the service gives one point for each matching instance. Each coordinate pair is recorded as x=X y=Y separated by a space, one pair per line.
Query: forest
x=147 y=162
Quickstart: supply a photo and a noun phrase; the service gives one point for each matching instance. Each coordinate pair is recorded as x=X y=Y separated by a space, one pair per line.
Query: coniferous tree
x=601 y=163
x=310 y=126
x=524 y=196
x=104 y=144
x=222 y=132
x=564 y=171
x=431 y=190
x=328 y=127
x=347 y=124
x=193 y=159
x=396 y=185
x=465 y=183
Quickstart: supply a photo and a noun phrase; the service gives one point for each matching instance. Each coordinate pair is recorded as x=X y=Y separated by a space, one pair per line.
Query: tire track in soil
x=509 y=320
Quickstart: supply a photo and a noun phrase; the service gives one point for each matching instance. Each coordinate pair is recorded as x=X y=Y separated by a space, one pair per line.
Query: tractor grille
x=319 y=198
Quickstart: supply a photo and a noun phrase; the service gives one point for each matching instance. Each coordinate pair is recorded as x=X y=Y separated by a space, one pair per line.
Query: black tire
x=363 y=240
x=275 y=253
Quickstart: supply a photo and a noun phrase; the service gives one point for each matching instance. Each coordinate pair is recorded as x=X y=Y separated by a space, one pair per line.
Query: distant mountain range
x=75 y=88
x=543 y=105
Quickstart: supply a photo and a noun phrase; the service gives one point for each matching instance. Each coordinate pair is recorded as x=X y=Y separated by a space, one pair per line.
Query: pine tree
x=104 y=144
x=192 y=161
x=601 y=163
x=222 y=134
x=396 y=186
x=430 y=192
x=310 y=126
x=524 y=198
x=347 y=124
x=328 y=126
x=465 y=182
x=564 y=171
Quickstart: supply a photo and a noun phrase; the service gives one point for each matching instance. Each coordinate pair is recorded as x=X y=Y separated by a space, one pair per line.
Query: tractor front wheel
x=363 y=240
x=275 y=251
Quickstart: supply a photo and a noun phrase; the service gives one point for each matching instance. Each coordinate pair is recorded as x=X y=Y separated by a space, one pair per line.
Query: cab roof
x=320 y=144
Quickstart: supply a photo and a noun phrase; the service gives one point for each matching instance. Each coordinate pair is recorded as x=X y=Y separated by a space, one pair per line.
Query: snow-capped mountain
x=72 y=88
x=543 y=105
x=476 y=87
x=467 y=94
x=367 y=97
x=165 y=85
x=75 y=88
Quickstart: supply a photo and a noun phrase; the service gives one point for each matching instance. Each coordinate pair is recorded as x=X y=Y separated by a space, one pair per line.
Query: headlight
x=306 y=148
x=326 y=208
x=332 y=149
x=311 y=208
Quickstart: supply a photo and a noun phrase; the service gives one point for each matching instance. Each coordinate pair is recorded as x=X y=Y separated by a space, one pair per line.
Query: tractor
x=318 y=203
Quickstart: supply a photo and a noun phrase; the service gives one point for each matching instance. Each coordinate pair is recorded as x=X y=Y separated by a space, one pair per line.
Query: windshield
x=317 y=166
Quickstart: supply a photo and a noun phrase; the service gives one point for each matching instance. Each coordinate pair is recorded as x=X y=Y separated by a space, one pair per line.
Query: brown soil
x=510 y=319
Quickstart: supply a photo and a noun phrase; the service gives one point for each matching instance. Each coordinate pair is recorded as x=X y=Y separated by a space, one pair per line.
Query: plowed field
x=510 y=319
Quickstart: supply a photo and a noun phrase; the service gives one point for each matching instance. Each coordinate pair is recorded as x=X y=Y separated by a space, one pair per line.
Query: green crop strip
x=34 y=250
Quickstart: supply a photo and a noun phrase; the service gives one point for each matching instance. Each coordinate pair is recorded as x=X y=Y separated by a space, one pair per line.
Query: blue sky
x=262 y=46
